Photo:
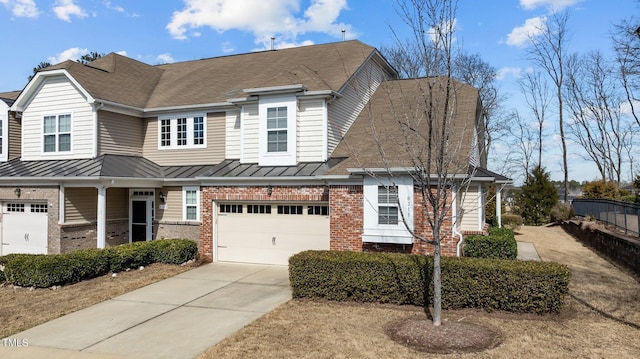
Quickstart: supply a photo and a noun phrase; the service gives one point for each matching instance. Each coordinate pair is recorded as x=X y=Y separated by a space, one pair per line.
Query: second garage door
x=269 y=233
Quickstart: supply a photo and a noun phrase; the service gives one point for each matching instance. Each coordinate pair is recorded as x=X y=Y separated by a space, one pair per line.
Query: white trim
x=325 y=131
x=4 y=121
x=101 y=217
x=34 y=86
x=150 y=203
x=61 y=205
x=499 y=206
x=285 y=158
x=56 y=133
x=173 y=128
x=480 y=208
x=242 y=129
x=184 y=203
x=387 y=233
x=214 y=230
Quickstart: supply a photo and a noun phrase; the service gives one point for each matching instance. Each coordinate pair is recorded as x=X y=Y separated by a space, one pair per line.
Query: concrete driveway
x=178 y=317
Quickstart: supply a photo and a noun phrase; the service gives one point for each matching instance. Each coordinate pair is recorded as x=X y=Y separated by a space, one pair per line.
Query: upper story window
x=56 y=131
x=277 y=130
x=182 y=132
x=387 y=205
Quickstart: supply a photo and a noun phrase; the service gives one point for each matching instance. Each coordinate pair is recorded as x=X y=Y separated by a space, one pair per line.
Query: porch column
x=102 y=216
x=499 y=207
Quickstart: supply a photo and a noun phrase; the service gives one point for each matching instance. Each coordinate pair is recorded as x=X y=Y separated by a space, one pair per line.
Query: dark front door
x=138 y=220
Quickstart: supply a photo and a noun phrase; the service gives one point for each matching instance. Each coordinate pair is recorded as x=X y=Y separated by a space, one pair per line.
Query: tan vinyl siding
x=212 y=154
x=470 y=209
x=15 y=132
x=250 y=134
x=80 y=204
x=173 y=205
x=310 y=129
x=58 y=96
x=356 y=93
x=117 y=203
x=119 y=134
x=233 y=135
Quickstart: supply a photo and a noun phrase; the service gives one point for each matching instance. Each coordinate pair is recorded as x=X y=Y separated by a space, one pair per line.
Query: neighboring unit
x=256 y=156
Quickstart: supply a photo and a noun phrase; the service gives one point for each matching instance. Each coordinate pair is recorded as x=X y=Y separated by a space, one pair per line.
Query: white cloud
x=116 y=8
x=165 y=58
x=123 y=53
x=263 y=19
x=551 y=4
x=516 y=72
x=227 y=47
x=64 y=9
x=73 y=53
x=533 y=27
x=22 y=8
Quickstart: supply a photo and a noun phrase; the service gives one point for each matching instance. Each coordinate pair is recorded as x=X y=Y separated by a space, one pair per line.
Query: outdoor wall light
x=163 y=197
x=269 y=190
x=18 y=192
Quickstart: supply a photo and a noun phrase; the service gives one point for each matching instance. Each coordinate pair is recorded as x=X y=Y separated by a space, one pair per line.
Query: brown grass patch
x=23 y=308
x=600 y=319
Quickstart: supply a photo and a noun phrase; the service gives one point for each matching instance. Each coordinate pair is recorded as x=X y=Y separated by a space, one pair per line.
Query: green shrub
x=499 y=244
x=40 y=270
x=517 y=286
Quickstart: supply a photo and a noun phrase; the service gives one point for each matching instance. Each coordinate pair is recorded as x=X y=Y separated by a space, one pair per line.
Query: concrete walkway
x=179 y=317
x=527 y=252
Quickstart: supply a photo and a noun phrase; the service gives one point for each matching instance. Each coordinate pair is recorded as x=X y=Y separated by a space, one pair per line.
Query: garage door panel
x=269 y=238
x=24 y=228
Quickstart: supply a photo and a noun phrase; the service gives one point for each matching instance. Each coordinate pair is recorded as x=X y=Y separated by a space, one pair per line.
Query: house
x=245 y=154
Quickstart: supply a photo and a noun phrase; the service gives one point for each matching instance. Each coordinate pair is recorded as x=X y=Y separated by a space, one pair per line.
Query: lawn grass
x=23 y=308
x=600 y=320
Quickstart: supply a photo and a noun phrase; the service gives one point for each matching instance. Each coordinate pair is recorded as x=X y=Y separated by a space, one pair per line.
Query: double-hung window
x=191 y=203
x=57 y=133
x=182 y=132
x=277 y=129
x=387 y=205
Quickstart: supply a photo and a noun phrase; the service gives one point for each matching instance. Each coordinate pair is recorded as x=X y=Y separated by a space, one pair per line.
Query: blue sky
x=163 y=31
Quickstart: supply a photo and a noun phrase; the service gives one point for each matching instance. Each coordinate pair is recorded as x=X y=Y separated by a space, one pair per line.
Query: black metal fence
x=624 y=216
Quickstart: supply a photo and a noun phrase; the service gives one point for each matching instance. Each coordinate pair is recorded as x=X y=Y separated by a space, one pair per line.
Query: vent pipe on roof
x=273 y=39
x=343 y=32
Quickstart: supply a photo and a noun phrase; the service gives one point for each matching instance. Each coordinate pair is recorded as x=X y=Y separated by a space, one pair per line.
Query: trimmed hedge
x=41 y=270
x=499 y=244
x=516 y=286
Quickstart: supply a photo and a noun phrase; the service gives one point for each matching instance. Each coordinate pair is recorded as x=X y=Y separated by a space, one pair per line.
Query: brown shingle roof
x=394 y=123
x=9 y=97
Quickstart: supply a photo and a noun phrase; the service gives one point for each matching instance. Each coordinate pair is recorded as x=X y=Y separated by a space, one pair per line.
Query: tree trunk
x=437 y=284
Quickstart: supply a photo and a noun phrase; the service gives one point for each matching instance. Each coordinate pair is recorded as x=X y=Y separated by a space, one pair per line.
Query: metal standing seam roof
x=122 y=166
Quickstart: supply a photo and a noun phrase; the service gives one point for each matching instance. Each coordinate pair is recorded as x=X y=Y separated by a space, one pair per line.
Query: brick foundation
x=177 y=229
x=83 y=235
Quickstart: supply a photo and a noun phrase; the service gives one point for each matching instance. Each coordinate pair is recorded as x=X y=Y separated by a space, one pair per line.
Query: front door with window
x=141 y=216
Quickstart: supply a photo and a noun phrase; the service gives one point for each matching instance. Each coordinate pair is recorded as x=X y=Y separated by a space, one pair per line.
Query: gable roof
x=121 y=80
x=394 y=123
x=9 y=97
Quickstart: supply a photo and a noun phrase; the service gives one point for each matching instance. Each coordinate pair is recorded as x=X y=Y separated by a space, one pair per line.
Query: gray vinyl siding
x=250 y=134
x=173 y=205
x=58 y=96
x=80 y=205
x=117 y=203
x=119 y=134
x=310 y=136
x=232 y=146
x=356 y=93
x=212 y=154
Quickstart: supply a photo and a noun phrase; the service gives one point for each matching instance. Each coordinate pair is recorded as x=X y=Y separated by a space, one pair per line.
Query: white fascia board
x=34 y=86
x=400 y=170
x=260 y=180
x=203 y=107
x=272 y=90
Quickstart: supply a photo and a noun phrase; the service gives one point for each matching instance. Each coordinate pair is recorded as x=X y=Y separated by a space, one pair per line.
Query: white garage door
x=270 y=233
x=24 y=228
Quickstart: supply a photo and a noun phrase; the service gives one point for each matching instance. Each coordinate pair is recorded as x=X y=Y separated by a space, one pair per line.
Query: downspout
x=454 y=221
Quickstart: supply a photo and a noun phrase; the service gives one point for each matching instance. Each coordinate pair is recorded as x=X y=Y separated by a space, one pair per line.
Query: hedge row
x=516 y=286
x=499 y=244
x=42 y=270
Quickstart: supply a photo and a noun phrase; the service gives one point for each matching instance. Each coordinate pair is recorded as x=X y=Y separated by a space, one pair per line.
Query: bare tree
x=595 y=105
x=523 y=138
x=547 y=52
x=536 y=93
x=626 y=43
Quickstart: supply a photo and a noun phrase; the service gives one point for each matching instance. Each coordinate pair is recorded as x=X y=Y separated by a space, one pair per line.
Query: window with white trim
x=277 y=130
x=182 y=132
x=191 y=203
x=56 y=132
x=388 y=205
